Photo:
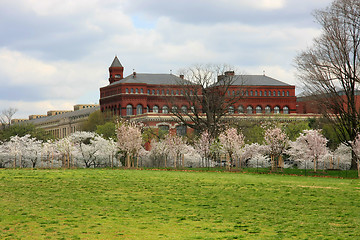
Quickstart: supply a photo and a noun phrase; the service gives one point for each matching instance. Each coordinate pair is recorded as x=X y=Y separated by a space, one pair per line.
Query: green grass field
x=131 y=204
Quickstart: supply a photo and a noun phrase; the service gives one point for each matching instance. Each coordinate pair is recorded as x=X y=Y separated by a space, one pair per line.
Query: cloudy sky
x=56 y=53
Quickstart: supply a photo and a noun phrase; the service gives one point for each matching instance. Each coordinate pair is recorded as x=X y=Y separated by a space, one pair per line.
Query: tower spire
x=116 y=71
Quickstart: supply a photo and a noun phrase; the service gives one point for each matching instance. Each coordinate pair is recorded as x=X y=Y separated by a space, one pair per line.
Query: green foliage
x=23 y=129
x=294 y=129
x=96 y=118
x=252 y=131
x=116 y=204
x=107 y=130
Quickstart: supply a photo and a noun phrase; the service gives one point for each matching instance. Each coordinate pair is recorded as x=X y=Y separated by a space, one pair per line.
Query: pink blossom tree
x=276 y=142
x=311 y=144
x=356 y=149
x=202 y=146
x=129 y=140
x=176 y=148
x=232 y=143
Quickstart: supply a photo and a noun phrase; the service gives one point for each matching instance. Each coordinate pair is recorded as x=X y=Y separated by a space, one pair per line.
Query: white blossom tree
x=202 y=146
x=310 y=145
x=276 y=142
x=232 y=143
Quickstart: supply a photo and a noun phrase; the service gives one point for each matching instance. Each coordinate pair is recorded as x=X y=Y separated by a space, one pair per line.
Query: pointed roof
x=116 y=63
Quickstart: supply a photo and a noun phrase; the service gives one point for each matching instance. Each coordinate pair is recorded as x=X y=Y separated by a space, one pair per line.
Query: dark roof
x=78 y=113
x=257 y=80
x=148 y=78
x=116 y=63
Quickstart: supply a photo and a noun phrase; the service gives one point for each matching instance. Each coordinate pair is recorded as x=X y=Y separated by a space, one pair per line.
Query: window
x=155 y=109
x=136 y=90
x=249 y=110
x=157 y=92
x=174 y=109
x=139 y=109
x=162 y=92
x=131 y=90
x=148 y=91
x=267 y=109
x=233 y=93
x=192 y=108
x=129 y=110
x=172 y=92
x=286 y=110
x=181 y=130
x=265 y=93
x=269 y=93
x=164 y=128
x=256 y=93
x=258 y=110
x=126 y=90
x=287 y=93
x=241 y=109
x=184 y=109
x=191 y=92
x=141 y=90
x=276 y=110
x=260 y=93
x=274 y=94
x=247 y=93
x=147 y=109
x=182 y=92
x=153 y=91
x=231 y=110
x=251 y=92
x=177 y=92
x=279 y=94
x=167 y=92
x=165 y=109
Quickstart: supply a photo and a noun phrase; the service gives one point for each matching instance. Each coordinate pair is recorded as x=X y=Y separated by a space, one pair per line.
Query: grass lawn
x=131 y=204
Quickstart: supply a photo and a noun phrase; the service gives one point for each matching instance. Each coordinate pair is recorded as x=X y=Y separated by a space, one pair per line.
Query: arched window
x=184 y=109
x=153 y=91
x=131 y=90
x=269 y=93
x=174 y=109
x=231 y=110
x=182 y=92
x=177 y=92
x=279 y=94
x=260 y=93
x=136 y=90
x=181 y=130
x=162 y=92
x=157 y=92
x=164 y=128
x=233 y=92
x=240 y=109
x=249 y=110
x=155 y=109
x=247 y=93
x=148 y=91
x=147 y=109
x=129 y=110
x=141 y=90
x=287 y=93
x=251 y=92
x=276 y=110
x=283 y=93
x=139 y=109
x=126 y=90
x=167 y=92
x=265 y=93
x=267 y=109
x=165 y=109
x=192 y=108
x=286 y=110
x=274 y=94
x=256 y=93
x=172 y=92
x=258 y=110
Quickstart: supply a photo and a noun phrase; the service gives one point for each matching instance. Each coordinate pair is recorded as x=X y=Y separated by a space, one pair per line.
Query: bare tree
x=6 y=116
x=209 y=92
x=330 y=68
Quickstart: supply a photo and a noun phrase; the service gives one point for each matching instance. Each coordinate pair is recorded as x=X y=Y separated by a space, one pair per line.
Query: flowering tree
x=356 y=149
x=309 y=145
x=232 y=143
x=159 y=152
x=65 y=147
x=255 y=155
x=176 y=148
x=203 y=147
x=276 y=141
x=129 y=140
x=31 y=149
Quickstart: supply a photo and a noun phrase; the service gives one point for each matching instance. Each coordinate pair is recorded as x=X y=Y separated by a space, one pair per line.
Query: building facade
x=141 y=93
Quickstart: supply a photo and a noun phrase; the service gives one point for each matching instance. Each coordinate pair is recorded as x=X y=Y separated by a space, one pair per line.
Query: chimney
x=134 y=74
x=229 y=73
x=182 y=76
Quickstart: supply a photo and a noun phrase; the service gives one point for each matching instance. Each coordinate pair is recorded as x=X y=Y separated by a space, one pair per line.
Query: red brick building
x=147 y=95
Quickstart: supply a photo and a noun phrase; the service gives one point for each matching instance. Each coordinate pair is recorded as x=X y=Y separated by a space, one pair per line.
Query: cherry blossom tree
x=255 y=155
x=65 y=148
x=176 y=148
x=232 y=143
x=356 y=149
x=129 y=140
x=311 y=144
x=276 y=142
x=202 y=146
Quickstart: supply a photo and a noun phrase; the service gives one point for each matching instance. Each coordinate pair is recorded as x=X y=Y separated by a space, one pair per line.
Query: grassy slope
x=130 y=204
